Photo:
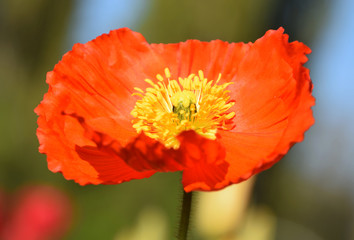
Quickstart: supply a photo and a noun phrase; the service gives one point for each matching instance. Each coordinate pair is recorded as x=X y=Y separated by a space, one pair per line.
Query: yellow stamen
x=167 y=73
x=159 y=77
x=169 y=107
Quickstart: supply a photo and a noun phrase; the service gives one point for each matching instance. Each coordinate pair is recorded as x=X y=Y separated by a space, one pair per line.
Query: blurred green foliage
x=178 y=20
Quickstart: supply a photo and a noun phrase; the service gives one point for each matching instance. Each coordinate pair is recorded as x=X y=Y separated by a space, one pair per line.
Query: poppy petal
x=96 y=162
x=144 y=153
x=262 y=136
x=86 y=83
x=301 y=117
x=204 y=162
x=106 y=158
x=96 y=80
x=111 y=169
x=56 y=137
x=247 y=150
x=212 y=58
x=201 y=159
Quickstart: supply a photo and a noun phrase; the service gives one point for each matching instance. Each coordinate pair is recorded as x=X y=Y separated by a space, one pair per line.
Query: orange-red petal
x=278 y=82
x=204 y=162
x=200 y=159
x=80 y=153
x=146 y=154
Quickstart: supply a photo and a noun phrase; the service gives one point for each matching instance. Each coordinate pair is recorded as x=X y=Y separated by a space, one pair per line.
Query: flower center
x=183 y=104
x=169 y=107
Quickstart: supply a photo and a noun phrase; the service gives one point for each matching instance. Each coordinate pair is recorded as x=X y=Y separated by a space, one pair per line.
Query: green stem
x=185 y=215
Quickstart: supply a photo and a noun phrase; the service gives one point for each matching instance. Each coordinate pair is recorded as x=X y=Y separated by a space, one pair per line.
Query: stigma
x=183 y=104
x=169 y=107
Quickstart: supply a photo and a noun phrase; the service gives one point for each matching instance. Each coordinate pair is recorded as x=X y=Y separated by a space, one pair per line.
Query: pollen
x=169 y=106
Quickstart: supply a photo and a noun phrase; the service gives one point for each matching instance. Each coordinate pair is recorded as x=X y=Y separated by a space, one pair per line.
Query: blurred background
x=307 y=195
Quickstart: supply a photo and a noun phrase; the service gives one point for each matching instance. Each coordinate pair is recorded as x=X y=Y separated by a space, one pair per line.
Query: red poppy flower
x=35 y=213
x=119 y=108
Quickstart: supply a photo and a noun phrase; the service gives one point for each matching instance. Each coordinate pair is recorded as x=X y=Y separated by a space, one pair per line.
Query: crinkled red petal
x=204 y=162
x=80 y=153
x=144 y=153
x=213 y=58
x=262 y=135
x=201 y=159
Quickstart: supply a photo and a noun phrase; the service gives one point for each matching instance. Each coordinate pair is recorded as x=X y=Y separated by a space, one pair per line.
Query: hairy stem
x=185 y=215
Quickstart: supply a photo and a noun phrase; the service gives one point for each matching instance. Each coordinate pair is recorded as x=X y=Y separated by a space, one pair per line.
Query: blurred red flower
x=217 y=132
x=37 y=213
